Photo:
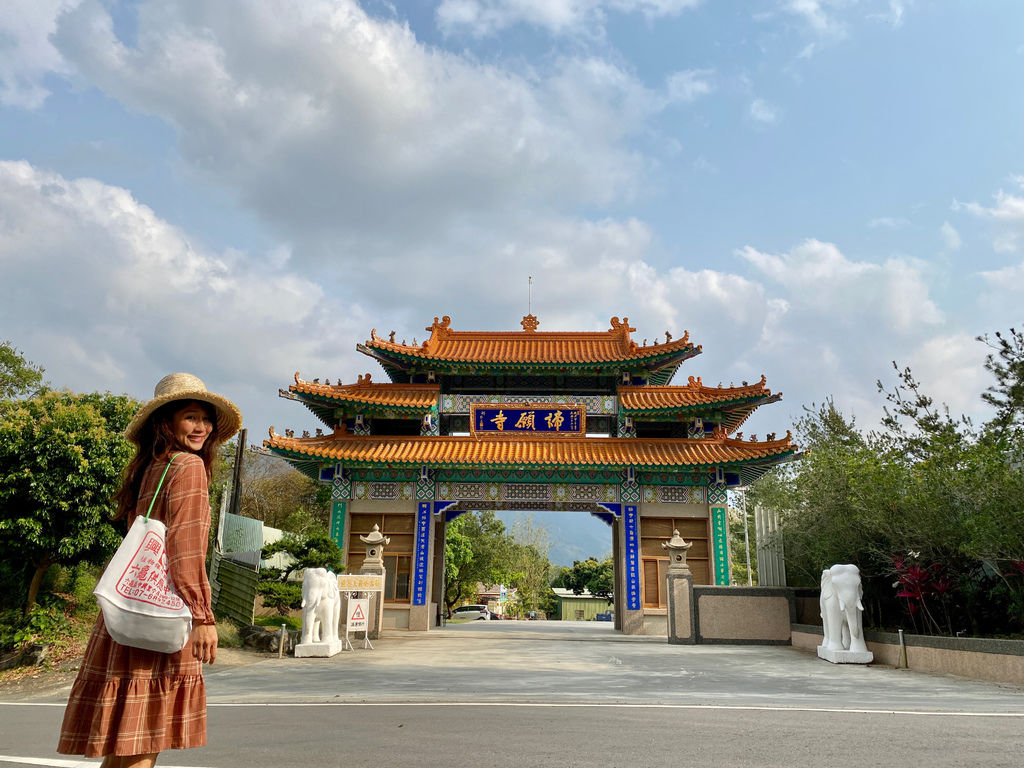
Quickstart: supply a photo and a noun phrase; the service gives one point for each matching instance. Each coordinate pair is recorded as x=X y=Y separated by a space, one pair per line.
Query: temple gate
x=531 y=420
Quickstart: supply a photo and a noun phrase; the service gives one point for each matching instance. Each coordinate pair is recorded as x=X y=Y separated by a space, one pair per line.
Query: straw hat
x=185 y=386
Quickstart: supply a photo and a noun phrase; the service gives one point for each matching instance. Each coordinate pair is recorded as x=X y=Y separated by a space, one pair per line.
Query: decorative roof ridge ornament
x=530 y=323
x=622 y=327
x=439 y=329
x=439 y=326
x=363 y=381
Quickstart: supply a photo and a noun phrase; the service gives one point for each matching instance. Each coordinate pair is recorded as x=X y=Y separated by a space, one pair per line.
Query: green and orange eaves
x=586 y=453
x=529 y=350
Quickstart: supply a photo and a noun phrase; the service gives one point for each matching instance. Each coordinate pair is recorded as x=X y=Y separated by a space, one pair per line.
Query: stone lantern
x=375 y=542
x=682 y=624
x=676 y=547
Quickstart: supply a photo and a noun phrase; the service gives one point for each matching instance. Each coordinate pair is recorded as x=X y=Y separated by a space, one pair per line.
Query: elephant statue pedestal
x=842 y=617
x=839 y=657
x=311 y=650
x=321 y=609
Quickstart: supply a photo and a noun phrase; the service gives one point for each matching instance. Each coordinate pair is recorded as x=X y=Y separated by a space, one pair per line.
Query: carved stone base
x=309 y=650
x=845 y=657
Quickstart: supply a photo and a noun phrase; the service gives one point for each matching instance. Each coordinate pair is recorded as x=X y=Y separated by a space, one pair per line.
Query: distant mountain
x=572 y=535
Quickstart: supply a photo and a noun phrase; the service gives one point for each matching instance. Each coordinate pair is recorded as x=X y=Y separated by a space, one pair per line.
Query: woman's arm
x=187 y=517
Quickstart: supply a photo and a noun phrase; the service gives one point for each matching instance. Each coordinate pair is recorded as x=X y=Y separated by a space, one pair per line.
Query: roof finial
x=529 y=295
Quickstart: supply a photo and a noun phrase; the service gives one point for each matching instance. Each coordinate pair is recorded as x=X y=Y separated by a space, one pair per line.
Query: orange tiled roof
x=570 y=452
x=693 y=394
x=416 y=396
x=529 y=346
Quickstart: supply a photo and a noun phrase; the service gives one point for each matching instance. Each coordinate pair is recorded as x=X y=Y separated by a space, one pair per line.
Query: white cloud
x=1002 y=297
x=763 y=112
x=26 y=55
x=110 y=296
x=816 y=14
x=334 y=126
x=1008 y=215
x=950 y=236
x=951 y=371
x=686 y=86
x=481 y=18
x=820 y=280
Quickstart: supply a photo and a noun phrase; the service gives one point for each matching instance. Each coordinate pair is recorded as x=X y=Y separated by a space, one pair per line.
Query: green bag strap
x=159 y=486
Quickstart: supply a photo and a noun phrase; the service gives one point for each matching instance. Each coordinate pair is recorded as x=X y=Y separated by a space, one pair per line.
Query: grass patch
x=227 y=634
x=275 y=622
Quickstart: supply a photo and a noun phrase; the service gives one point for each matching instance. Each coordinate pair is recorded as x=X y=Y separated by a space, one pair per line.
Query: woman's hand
x=203 y=642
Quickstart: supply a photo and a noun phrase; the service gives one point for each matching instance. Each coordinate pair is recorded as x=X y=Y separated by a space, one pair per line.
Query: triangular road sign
x=358 y=613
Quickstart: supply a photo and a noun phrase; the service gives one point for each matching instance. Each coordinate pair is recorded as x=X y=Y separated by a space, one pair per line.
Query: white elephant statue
x=321 y=606
x=842 y=610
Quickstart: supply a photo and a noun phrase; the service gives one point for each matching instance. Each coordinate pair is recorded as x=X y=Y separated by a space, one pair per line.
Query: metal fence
x=234 y=589
x=771 y=561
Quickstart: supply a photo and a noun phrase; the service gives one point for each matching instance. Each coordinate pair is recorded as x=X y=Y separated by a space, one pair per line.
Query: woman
x=129 y=704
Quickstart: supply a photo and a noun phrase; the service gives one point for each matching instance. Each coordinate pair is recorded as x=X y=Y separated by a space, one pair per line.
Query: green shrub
x=284 y=596
x=43 y=624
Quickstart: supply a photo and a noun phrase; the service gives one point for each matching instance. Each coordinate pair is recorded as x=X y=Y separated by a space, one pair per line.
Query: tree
x=276 y=587
x=1006 y=364
x=458 y=559
x=489 y=560
x=280 y=496
x=18 y=377
x=61 y=459
x=929 y=507
x=591 y=575
x=529 y=563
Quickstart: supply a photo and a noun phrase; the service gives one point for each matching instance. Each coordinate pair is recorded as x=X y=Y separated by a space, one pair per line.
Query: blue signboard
x=519 y=420
x=630 y=519
x=419 y=589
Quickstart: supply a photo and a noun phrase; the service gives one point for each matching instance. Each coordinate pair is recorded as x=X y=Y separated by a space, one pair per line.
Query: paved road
x=551 y=694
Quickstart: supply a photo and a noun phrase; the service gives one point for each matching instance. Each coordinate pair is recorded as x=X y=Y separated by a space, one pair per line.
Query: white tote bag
x=140 y=605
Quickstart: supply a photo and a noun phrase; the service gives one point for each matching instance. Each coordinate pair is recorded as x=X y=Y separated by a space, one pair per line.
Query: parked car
x=472 y=613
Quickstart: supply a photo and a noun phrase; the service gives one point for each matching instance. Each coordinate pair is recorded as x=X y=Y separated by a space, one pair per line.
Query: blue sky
x=812 y=188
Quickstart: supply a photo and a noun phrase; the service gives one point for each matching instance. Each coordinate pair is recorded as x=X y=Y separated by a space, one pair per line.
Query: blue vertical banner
x=419 y=588
x=630 y=521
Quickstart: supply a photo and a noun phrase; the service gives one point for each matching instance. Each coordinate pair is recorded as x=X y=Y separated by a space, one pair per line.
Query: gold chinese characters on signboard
x=527 y=420
x=361 y=582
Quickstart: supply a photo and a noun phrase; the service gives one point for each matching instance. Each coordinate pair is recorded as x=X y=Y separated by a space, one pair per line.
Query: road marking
x=56 y=762
x=571 y=705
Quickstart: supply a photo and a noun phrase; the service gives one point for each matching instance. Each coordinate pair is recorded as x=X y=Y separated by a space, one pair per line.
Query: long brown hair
x=157 y=442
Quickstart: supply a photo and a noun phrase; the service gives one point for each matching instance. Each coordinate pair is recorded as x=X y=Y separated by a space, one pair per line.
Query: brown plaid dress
x=129 y=701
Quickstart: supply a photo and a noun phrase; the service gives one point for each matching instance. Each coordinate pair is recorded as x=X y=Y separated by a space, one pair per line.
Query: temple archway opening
x=526 y=420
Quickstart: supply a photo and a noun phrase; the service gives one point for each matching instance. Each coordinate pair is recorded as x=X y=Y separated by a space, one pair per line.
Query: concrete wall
x=747 y=615
x=655 y=622
x=1000 y=661
x=396 y=616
